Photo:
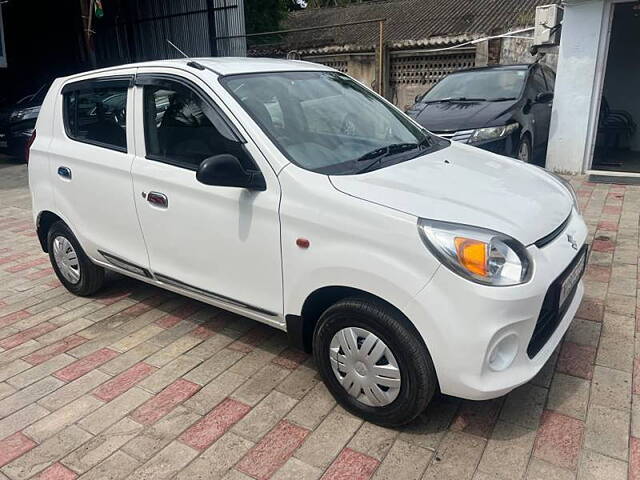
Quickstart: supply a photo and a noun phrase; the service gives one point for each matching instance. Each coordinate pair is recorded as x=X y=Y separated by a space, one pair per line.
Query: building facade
x=596 y=109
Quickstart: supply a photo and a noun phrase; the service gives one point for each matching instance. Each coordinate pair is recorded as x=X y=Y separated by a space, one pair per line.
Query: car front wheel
x=524 y=151
x=373 y=362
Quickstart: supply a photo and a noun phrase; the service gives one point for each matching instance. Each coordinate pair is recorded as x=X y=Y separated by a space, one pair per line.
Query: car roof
x=222 y=65
x=519 y=66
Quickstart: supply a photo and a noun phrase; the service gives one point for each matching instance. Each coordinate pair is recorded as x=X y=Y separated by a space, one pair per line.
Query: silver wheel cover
x=365 y=366
x=66 y=259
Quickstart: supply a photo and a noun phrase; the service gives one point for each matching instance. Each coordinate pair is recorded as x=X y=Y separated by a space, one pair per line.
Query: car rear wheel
x=373 y=362
x=72 y=266
x=524 y=151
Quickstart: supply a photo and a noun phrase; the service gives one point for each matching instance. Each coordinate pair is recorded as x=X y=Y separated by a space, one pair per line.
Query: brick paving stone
x=264 y=416
x=569 y=395
x=21 y=419
x=117 y=466
x=456 y=458
x=258 y=386
x=272 y=451
x=50 y=351
x=218 y=459
x=213 y=367
x=559 y=439
x=215 y=424
x=214 y=392
x=102 y=446
x=524 y=406
x=158 y=406
x=85 y=365
x=607 y=431
x=351 y=465
x=328 y=439
x=72 y=390
x=373 y=440
x=29 y=334
x=13 y=446
x=576 y=360
x=32 y=393
x=123 y=382
x=507 y=452
x=594 y=466
x=166 y=464
x=634 y=459
x=584 y=332
x=155 y=438
x=477 y=418
x=541 y=470
x=313 y=407
x=111 y=412
x=429 y=428
x=57 y=471
x=404 y=460
x=611 y=388
x=300 y=381
x=58 y=420
x=290 y=358
x=45 y=454
x=166 y=375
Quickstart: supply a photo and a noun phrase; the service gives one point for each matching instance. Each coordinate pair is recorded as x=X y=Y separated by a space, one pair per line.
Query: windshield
x=328 y=123
x=489 y=85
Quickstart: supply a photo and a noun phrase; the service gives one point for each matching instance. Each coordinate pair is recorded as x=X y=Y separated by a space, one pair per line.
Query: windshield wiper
x=457 y=99
x=379 y=154
x=501 y=99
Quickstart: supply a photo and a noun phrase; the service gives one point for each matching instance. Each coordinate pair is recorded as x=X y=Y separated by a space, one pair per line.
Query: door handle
x=64 y=172
x=156 y=199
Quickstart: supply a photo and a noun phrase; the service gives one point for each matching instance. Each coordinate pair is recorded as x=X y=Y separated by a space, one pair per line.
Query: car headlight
x=25 y=113
x=569 y=187
x=480 y=255
x=492 y=133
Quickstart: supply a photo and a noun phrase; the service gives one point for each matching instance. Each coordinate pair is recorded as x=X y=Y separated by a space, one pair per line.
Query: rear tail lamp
x=27 y=148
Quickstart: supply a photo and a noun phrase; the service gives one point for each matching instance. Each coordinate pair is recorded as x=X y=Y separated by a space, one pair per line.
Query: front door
x=222 y=243
x=91 y=157
x=541 y=112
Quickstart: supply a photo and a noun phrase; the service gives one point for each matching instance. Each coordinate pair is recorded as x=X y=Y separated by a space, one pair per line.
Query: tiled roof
x=409 y=22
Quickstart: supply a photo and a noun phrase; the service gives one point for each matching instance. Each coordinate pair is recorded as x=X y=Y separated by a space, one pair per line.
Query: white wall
x=622 y=79
x=577 y=79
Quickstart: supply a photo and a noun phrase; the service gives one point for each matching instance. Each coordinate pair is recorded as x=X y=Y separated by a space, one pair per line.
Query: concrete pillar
x=580 y=71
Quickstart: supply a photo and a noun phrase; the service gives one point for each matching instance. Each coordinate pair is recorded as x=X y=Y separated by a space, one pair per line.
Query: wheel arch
x=45 y=219
x=300 y=328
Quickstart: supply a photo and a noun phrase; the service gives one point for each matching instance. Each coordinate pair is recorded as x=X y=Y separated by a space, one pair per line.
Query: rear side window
x=96 y=113
x=182 y=129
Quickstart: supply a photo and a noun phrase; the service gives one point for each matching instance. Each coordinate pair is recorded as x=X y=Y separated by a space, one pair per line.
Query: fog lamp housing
x=503 y=353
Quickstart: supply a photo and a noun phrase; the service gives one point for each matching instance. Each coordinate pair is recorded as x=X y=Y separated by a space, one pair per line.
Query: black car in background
x=504 y=109
x=18 y=121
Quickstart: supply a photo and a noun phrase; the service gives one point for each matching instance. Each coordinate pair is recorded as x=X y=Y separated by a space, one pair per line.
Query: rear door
x=91 y=156
x=222 y=243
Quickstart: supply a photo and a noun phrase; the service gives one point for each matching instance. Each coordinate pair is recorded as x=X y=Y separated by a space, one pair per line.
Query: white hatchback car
x=291 y=194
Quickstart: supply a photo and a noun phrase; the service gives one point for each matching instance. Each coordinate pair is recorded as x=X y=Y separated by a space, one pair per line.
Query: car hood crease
x=466 y=185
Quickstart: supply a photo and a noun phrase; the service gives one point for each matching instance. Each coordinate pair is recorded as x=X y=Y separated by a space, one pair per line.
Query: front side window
x=182 y=129
x=537 y=81
x=328 y=123
x=98 y=115
x=480 y=85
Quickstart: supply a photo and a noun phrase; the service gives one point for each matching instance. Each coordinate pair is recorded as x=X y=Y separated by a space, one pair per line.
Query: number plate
x=572 y=279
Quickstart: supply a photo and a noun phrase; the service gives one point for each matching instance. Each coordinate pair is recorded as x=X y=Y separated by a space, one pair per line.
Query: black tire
x=525 y=146
x=417 y=374
x=91 y=276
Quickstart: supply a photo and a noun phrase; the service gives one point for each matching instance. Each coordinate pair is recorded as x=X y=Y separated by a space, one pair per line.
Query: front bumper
x=461 y=321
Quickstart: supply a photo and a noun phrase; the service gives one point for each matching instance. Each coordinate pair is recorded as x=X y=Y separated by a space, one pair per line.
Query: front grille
x=547 y=239
x=459 y=136
x=552 y=312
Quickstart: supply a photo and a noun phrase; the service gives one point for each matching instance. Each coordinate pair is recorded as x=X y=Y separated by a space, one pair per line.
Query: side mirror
x=544 y=97
x=226 y=171
x=419 y=97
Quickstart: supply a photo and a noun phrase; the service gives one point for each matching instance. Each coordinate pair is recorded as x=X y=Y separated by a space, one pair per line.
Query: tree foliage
x=264 y=15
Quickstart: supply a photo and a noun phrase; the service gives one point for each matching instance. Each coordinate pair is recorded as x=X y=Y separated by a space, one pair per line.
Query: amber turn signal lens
x=472 y=255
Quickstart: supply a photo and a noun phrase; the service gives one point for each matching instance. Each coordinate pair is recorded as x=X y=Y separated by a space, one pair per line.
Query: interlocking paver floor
x=141 y=383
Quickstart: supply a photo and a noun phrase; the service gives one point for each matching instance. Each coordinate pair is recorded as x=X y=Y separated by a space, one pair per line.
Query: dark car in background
x=18 y=121
x=504 y=109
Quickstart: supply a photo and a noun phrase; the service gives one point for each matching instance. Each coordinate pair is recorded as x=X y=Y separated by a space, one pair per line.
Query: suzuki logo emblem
x=572 y=241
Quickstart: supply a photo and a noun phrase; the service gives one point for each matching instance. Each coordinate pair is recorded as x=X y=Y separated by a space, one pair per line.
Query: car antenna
x=192 y=63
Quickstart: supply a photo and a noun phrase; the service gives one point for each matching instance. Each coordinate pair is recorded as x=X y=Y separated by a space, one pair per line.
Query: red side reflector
x=28 y=146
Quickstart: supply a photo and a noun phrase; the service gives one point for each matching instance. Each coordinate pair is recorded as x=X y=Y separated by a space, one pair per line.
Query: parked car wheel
x=524 y=151
x=72 y=266
x=373 y=362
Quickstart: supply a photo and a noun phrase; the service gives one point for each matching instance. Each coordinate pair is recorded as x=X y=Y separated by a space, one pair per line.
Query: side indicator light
x=303 y=243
